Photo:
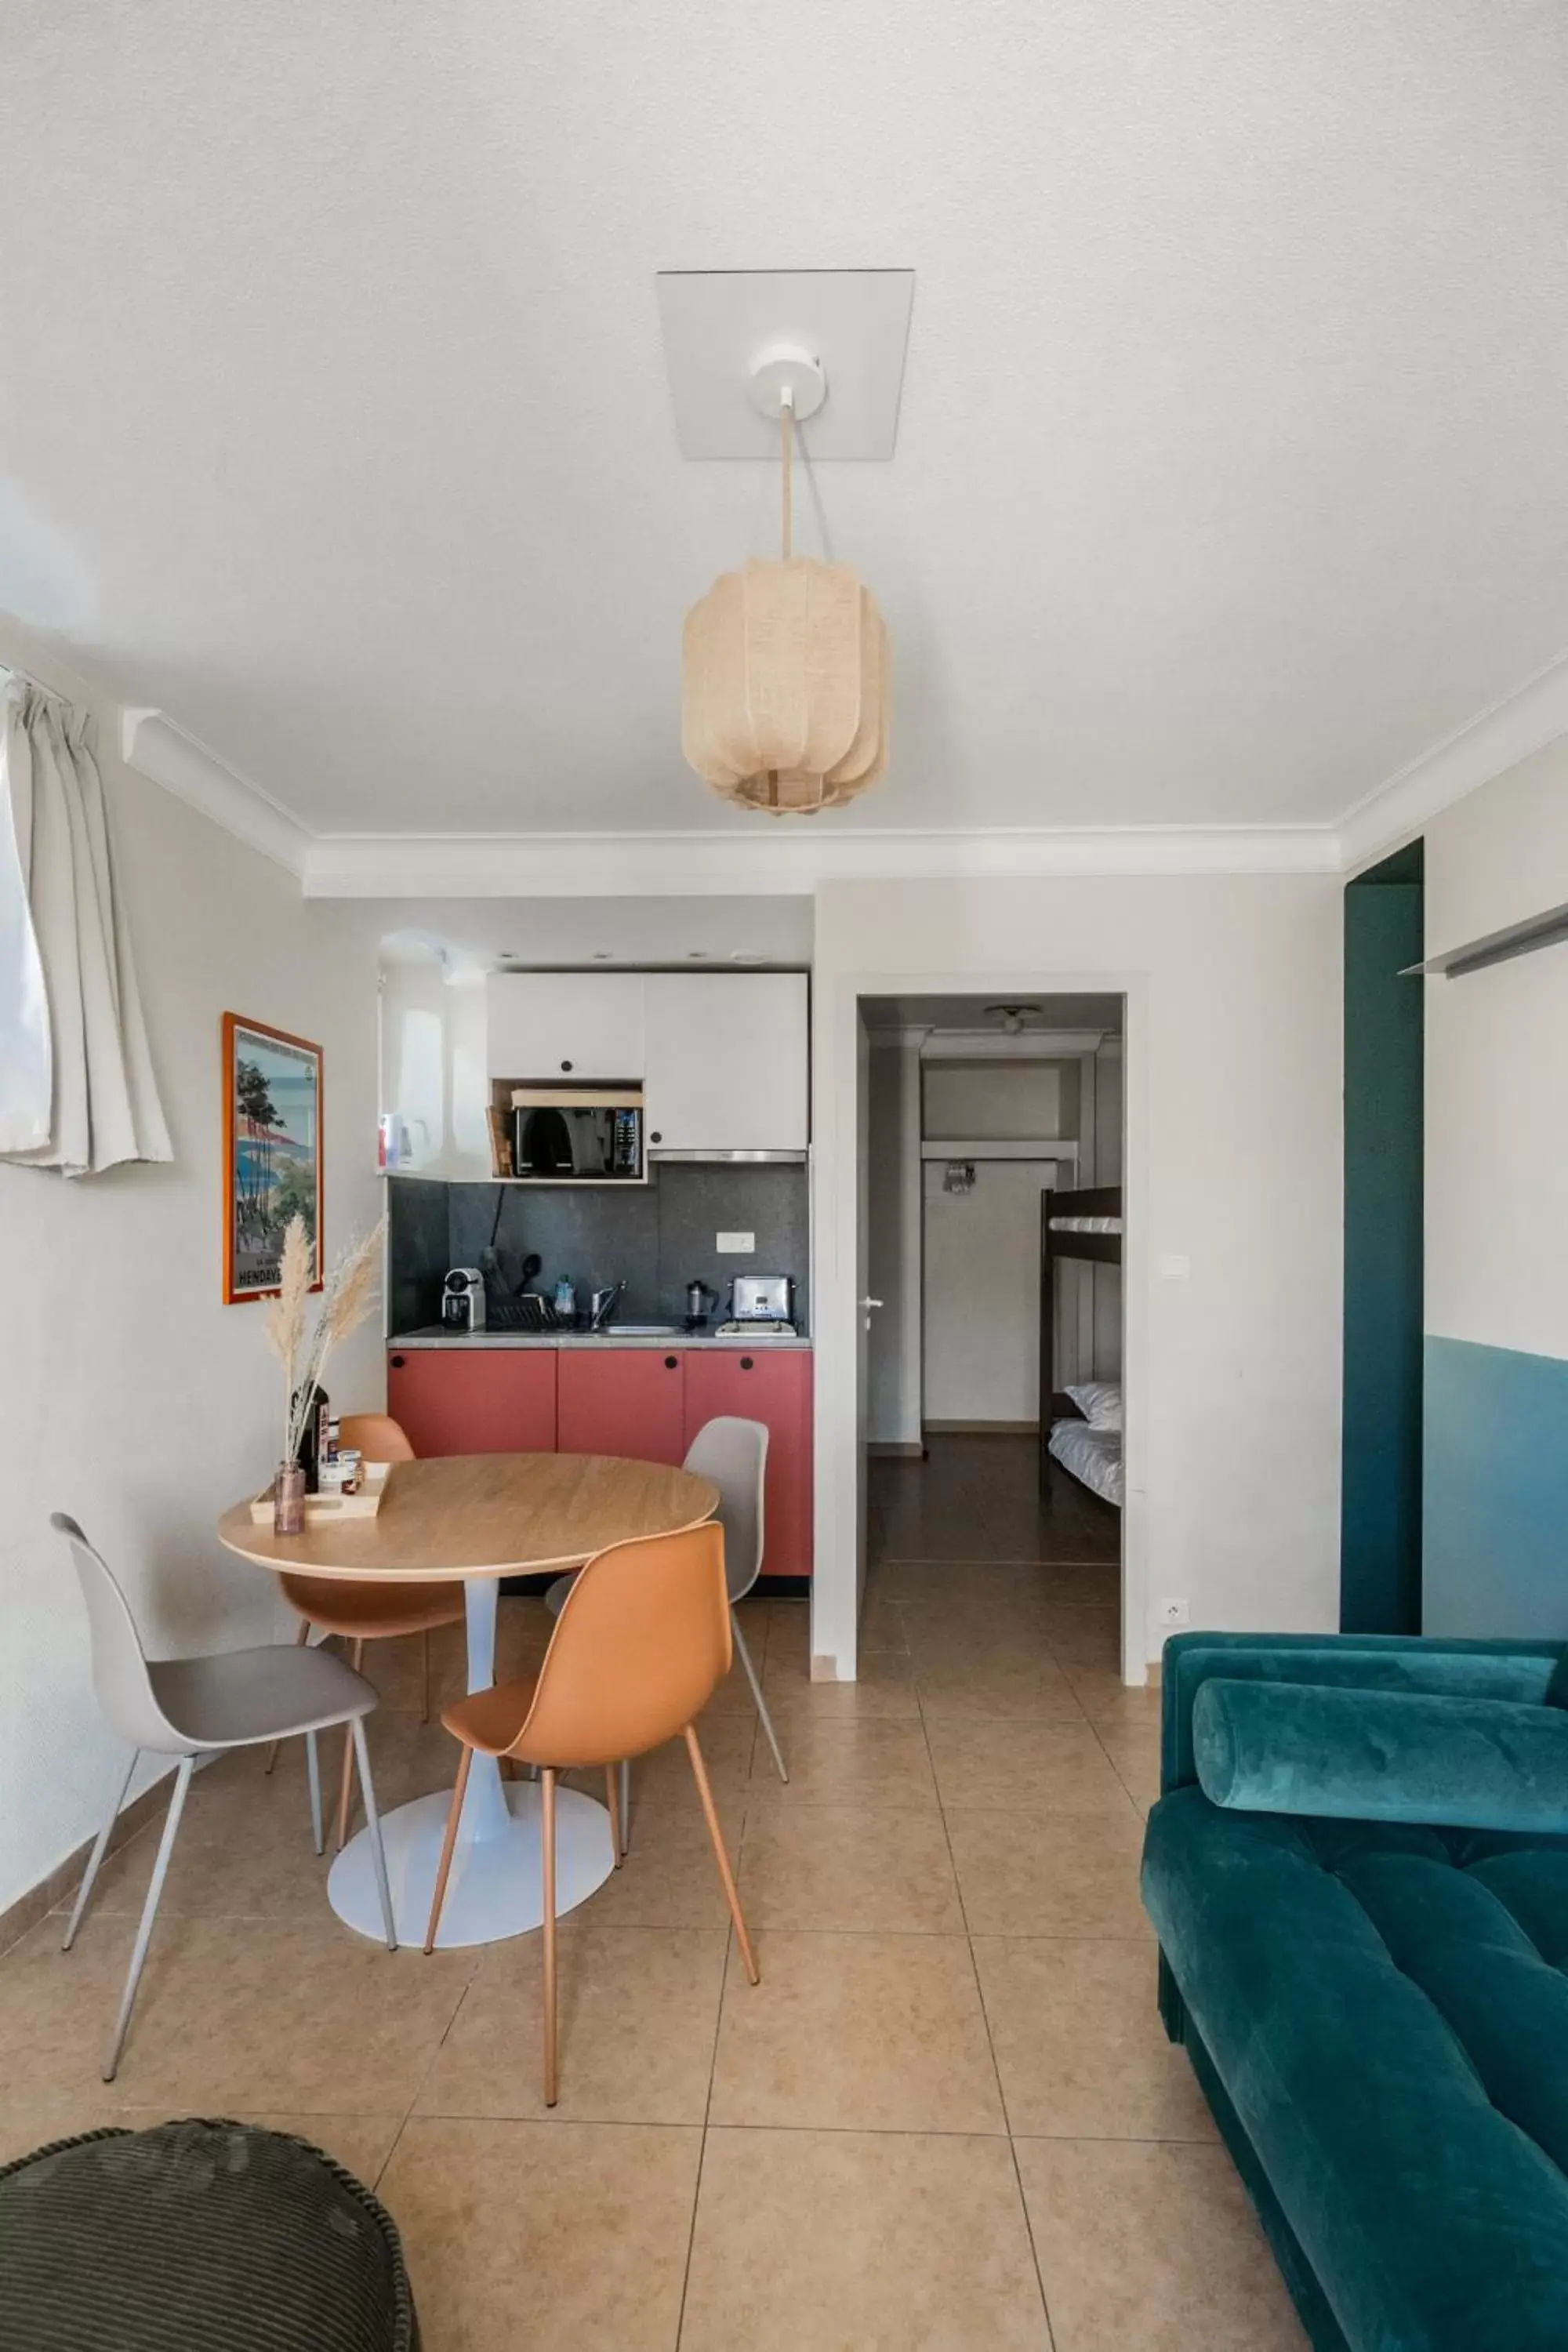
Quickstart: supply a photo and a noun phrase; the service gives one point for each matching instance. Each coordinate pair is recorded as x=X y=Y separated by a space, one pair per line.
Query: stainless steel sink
x=639 y=1332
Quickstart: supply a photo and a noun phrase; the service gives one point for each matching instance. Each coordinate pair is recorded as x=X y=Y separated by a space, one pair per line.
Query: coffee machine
x=463 y=1300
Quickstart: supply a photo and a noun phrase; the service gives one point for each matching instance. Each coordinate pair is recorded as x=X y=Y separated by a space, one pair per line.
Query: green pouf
x=194 y=2235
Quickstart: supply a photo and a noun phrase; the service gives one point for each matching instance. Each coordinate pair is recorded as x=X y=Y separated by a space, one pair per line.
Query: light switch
x=1174 y=1267
x=735 y=1244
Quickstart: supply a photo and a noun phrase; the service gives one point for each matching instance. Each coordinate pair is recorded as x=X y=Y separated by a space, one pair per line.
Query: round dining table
x=476 y=1518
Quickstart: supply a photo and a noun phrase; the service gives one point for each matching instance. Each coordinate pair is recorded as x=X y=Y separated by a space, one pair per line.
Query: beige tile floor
x=947 y=2117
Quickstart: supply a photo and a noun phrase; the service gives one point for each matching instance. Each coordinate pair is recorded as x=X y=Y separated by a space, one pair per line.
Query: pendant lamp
x=786 y=677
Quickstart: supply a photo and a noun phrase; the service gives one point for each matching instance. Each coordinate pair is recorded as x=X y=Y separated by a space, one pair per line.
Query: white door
x=866 y=1307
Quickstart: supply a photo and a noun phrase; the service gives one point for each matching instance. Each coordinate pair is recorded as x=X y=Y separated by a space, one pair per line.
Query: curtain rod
x=30 y=677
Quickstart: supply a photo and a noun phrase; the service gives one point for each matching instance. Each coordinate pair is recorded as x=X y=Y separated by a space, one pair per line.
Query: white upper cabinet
x=727 y=1061
x=565 y=1024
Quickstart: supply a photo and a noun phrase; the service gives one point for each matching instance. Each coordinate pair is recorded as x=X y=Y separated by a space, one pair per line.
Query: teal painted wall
x=1496 y=1492
x=1380 y=1531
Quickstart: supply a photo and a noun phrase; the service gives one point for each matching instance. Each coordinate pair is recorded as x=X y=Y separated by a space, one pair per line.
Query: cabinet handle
x=671 y=1363
x=745 y=1363
x=566 y=1066
x=398 y=1362
x=655 y=1137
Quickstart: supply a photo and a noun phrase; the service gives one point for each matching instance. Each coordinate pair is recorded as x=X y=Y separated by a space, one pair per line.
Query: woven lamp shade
x=785 y=686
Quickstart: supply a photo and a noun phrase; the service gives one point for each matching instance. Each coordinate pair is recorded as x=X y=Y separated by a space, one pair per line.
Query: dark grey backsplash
x=654 y=1238
x=416 y=1253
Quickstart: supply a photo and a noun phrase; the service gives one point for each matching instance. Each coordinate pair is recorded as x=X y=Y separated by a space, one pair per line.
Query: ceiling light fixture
x=1012 y=1016
x=786 y=673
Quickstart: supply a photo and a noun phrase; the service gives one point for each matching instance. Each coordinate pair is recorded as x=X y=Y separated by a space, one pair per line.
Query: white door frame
x=835 y=1179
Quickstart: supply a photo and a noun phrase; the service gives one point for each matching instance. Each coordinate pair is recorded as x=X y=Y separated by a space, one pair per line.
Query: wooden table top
x=487 y=1515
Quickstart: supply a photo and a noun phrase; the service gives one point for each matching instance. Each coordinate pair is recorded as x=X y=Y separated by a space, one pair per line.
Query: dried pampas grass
x=348 y=1296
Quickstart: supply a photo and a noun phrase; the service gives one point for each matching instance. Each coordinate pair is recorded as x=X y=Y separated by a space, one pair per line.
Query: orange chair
x=642 y=1638
x=370 y=1612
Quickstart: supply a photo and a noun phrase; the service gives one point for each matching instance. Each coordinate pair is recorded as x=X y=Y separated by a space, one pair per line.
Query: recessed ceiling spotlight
x=741 y=955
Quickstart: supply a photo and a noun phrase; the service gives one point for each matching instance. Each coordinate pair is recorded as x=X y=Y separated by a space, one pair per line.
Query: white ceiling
x=481 y=933
x=1231 y=474
x=969 y=1013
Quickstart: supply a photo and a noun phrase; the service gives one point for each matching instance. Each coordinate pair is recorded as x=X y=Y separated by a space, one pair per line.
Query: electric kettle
x=700 y=1297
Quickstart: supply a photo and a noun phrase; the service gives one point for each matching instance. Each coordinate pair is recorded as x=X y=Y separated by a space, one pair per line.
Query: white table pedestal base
x=496 y=1888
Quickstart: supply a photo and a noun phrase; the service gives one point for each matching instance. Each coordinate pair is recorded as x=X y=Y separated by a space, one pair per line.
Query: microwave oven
x=583 y=1135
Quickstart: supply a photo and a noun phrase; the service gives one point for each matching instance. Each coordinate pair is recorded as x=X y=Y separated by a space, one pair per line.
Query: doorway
x=977 y=1112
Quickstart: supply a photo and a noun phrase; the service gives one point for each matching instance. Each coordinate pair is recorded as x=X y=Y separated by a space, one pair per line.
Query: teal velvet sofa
x=1377 y=2006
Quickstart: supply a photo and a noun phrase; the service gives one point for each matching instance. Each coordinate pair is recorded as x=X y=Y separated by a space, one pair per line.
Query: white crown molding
x=152 y=744
x=764 y=859
x=699 y=864
x=1496 y=739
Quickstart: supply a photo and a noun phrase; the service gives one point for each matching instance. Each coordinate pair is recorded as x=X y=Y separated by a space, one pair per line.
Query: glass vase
x=288 y=1500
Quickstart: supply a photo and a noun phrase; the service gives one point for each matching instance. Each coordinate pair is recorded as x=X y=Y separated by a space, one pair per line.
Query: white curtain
x=77 y=1089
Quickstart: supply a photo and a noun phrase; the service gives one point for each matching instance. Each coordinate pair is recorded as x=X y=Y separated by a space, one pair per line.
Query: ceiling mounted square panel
x=721 y=324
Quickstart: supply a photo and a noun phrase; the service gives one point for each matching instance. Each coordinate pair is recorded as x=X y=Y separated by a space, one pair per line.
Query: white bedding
x=1093 y=1455
x=1085 y=1224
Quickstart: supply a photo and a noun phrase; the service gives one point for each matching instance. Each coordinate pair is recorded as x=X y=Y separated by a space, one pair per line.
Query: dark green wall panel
x=1380 y=1570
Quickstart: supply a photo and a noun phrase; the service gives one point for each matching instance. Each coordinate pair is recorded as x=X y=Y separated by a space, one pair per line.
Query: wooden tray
x=363 y=1504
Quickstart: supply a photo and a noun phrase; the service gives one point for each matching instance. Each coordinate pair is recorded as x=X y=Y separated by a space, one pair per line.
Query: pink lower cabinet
x=622 y=1400
x=474 y=1399
x=776 y=1391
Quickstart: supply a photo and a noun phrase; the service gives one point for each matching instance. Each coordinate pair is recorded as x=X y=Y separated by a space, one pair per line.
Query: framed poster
x=272 y=1152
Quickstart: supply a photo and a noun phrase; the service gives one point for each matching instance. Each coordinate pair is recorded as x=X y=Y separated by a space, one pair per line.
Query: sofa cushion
x=196 y=2234
x=1386 y=2007
x=1519 y=1672
x=1390 y=1756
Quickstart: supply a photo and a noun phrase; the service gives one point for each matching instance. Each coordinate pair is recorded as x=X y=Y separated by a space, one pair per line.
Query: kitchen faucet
x=600 y=1305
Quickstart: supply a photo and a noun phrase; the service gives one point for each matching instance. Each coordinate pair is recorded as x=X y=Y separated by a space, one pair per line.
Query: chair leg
x=547 y=1848
x=345 y=1786
x=757 y=1694
x=626 y=1805
x=300 y=1638
x=612 y=1792
x=95 y=1859
x=699 y=1771
x=149 y=1914
x=425 y=1683
x=454 y=1816
x=373 y=1824
x=313 y=1769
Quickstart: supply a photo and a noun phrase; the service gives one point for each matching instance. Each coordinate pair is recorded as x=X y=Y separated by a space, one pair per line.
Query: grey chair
x=192 y=1706
x=734 y=1454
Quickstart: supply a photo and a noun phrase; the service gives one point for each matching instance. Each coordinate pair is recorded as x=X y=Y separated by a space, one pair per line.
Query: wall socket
x=1174 y=1613
x=735 y=1244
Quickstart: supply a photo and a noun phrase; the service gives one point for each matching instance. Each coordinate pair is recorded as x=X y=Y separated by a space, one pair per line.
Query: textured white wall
x=129 y=1394
x=1234 y=1162
x=1497 y=1076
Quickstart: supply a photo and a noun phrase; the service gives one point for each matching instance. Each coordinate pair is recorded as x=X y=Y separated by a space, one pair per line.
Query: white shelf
x=1053 y=1147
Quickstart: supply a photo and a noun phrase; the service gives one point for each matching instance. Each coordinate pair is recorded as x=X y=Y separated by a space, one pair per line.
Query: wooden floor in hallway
x=947 y=2120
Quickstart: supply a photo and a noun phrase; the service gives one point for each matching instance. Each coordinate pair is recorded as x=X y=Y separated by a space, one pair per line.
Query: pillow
x=198 y=2234
x=1099 y=1402
x=1382 y=1756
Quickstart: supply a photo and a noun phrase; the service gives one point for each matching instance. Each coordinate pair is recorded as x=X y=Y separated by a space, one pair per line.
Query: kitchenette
x=598 y=1218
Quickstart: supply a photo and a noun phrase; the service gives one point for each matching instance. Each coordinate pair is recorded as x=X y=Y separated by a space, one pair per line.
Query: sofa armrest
x=1517 y=1673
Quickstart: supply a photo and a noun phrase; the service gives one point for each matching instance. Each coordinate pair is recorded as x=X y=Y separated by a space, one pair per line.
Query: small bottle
x=314 y=1440
x=566 y=1300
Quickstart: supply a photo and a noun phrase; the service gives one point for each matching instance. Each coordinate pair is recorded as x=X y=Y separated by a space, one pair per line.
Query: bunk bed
x=1080 y=1427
